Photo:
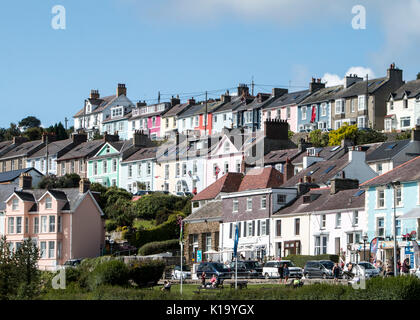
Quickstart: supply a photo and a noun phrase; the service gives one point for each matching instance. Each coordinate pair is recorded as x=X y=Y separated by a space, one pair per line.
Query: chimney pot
x=84 y=185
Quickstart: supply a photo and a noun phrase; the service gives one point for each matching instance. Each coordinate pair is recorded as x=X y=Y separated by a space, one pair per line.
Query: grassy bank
x=402 y=288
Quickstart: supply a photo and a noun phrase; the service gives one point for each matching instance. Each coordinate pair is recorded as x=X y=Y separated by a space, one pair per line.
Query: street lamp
x=394 y=185
x=365 y=239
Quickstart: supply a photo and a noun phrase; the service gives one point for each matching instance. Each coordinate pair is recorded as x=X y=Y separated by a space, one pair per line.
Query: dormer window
x=117 y=112
x=15 y=204
x=48 y=203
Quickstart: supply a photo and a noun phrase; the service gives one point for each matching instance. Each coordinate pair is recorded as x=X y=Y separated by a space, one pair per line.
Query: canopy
x=211 y=252
x=412 y=214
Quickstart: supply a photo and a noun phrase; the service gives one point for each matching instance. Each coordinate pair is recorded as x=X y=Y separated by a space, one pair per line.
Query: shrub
x=300 y=260
x=149 y=205
x=113 y=272
x=111 y=225
x=143 y=272
x=166 y=231
x=158 y=247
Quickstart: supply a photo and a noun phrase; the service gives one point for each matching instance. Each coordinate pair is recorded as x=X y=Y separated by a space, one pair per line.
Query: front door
x=337 y=246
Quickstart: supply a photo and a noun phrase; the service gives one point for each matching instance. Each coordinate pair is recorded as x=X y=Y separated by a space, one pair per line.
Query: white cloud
x=335 y=80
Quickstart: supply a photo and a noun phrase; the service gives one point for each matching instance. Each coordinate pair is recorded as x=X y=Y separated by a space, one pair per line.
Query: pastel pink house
x=64 y=223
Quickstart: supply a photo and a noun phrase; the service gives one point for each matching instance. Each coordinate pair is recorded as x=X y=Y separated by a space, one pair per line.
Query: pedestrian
x=286 y=272
x=213 y=281
x=281 y=272
x=336 y=272
x=350 y=272
x=203 y=279
x=166 y=286
x=406 y=266
x=399 y=266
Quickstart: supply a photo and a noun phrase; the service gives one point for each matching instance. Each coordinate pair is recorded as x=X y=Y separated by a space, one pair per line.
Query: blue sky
x=188 y=46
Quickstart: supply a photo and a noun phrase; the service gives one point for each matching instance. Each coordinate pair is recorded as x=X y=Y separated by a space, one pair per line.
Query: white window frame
x=304 y=112
x=361 y=102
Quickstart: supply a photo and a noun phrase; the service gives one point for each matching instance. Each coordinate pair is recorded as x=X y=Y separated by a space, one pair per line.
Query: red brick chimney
x=94 y=94
x=121 y=89
x=289 y=170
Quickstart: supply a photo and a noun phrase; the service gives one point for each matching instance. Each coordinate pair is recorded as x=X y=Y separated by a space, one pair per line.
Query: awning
x=412 y=214
x=211 y=252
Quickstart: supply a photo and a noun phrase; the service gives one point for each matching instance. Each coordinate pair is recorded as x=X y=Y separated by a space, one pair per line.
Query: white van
x=271 y=269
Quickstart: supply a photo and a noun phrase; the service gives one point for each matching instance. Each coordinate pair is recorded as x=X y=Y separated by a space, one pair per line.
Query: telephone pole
x=252 y=86
x=46 y=145
x=205 y=119
x=65 y=122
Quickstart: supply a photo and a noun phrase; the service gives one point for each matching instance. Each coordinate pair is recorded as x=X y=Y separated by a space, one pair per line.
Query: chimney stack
x=175 y=101
x=289 y=170
x=121 y=89
x=84 y=185
x=316 y=85
x=25 y=181
x=191 y=101
x=141 y=104
x=79 y=138
x=110 y=137
x=276 y=129
x=350 y=79
x=19 y=140
x=415 y=134
x=243 y=90
x=140 y=139
x=278 y=92
x=94 y=94
x=394 y=73
x=339 y=184
x=225 y=98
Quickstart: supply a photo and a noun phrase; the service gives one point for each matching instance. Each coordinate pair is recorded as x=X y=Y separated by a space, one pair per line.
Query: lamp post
x=394 y=185
x=365 y=239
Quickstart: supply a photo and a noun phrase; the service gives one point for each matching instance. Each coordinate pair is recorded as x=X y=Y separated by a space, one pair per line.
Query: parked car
x=270 y=269
x=143 y=192
x=318 y=269
x=176 y=273
x=370 y=270
x=246 y=269
x=184 y=194
x=216 y=268
x=72 y=263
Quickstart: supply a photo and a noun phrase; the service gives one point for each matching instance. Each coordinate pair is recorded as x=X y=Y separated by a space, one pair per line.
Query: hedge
x=300 y=260
x=158 y=247
x=144 y=272
x=165 y=231
x=113 y=272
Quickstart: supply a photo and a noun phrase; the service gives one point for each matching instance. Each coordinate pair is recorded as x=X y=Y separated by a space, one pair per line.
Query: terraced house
x=363 y=102
x=170 y=118
x=64 y=223
x=16 y=155
x=96 y=110
x=45 y=159
x=396 y=192
x=403 y=107
x=104 y=167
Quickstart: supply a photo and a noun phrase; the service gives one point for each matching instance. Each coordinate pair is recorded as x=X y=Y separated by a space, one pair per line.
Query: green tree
x=369 y=136
x=70 y=180
x=97 y=187
x=404 y=135
x=319 y=138
x=418 y=76
x=121 y=212
x=59 y=131
x=33 y=133
x=29 y=122
x=344 y=132
x=12 y=131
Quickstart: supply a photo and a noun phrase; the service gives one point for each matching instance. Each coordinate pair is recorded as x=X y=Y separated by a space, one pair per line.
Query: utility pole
x=252 y=86
x=158 y=96
x=205 y=119
x=65 y=122
x=367 y=98
x=46 y=144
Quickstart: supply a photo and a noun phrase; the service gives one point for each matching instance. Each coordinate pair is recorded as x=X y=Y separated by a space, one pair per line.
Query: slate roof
x=8 y=176
x=232 y=105
x=101 y=104
x=321 y=200
x=109 y=119
x=261 y=100
x=320 y=172
x=120 y=146
x=53 y=148
x=5 y=191
x=229 y=182
x=411 y=88
x=359 y=88
x=408 y=171
x=211 y=210
x=5 y=144
x=387 y=150
x=288 y=99
x=198 y=109
x=143 y=153
x=280 y=156
x=327 y=153
x=23 y=149
x=83 y=150
x=176 y=110
x=321 y=95
x=261 y=178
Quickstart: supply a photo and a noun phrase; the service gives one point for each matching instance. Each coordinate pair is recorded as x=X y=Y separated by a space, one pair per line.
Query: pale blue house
x=405 y=181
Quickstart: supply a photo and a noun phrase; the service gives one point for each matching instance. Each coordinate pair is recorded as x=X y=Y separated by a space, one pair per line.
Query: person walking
x=286 y=272
x=281 y=273
x=406 y=266
x=203 y=279
x=336 y=272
